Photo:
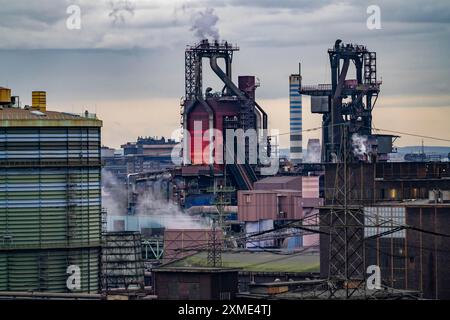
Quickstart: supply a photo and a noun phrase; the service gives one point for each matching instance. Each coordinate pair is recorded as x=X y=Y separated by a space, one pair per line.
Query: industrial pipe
x=229 y=83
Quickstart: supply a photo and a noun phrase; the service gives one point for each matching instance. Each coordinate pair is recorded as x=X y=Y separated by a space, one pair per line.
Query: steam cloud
x=114 y=195
x=204 y=24
x=360 y=145
x=120 y=9
x=167 y=213
x=313 y=152
x=152 y=208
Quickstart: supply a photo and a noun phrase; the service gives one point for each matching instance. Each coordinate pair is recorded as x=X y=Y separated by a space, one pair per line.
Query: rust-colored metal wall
x=272 y=205
x=391 y=181
x=179 y=243
x=420 y=261
x=280 y=183
x=428 y=256
x=310 y=187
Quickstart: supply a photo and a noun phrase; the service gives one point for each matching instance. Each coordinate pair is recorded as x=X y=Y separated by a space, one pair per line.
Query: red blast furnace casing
x=198 y=118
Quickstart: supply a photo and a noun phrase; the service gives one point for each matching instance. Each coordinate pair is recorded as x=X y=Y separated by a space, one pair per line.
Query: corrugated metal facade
x=50 y=204
x=310 y=187
x=179 y=243
x=272 y=205
x=279 y=183
x=410 y=259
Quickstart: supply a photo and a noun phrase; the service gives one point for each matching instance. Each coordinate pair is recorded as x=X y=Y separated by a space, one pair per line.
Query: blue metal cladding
x=37 y=206
x=50 y=207
x=27 y=144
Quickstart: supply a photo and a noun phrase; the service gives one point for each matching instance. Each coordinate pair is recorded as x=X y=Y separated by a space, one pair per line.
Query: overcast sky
x=126 y=63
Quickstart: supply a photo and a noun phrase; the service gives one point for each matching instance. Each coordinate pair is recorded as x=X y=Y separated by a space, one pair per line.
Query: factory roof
x=18 y=117
x=263 y=191
x=194 y=269
x=279 y=179
x=257 y=261
x=412 y=203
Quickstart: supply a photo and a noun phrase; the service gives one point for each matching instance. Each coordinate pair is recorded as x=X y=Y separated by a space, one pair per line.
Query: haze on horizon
x=126 y=63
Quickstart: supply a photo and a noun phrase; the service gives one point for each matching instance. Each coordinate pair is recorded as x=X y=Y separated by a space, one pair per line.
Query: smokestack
x=300 y=74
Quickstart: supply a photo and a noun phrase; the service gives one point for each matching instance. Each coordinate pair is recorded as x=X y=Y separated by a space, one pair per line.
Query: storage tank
x=50 y=205
x=5 y=96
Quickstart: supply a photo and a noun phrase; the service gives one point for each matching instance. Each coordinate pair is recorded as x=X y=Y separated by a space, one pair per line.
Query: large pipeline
x=229 y=83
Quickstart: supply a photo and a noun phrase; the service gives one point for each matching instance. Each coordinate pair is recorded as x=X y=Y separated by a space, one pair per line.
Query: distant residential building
x=150 y=146
x=144 y=155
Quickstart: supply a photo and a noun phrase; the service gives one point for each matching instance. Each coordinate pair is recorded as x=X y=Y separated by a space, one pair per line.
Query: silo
x=50 y=200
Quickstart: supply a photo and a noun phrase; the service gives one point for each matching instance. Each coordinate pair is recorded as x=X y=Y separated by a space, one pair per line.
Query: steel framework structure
x=350 y=101
x=346 y=230
x=193 y=64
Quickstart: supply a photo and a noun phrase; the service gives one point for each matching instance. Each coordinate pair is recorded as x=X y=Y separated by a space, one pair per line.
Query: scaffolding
x=121 y=263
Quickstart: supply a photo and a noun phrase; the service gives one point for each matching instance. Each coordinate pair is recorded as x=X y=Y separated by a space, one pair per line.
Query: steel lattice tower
x=346 y=229
x=214 y=247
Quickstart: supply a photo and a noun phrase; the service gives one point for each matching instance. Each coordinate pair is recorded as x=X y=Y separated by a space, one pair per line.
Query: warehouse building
x=277 y=201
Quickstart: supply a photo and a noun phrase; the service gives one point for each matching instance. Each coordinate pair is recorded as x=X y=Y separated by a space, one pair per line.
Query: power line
x=373 y=128
x=412 y=134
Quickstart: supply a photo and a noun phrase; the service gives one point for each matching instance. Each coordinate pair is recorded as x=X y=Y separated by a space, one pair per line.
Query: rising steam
x=120 y=10
x=114 y=195
x=152 y=208
x=360 y=146
x=167 y=214
x=313 y=151
x=204 y=24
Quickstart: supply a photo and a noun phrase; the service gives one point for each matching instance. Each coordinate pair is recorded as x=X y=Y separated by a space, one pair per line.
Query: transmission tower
x=223 y=195
x=346 y=229
x=214 y=247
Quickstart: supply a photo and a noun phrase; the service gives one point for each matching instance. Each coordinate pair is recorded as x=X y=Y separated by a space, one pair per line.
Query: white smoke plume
x=167 y=214
x=152 y=208
x=313 y=152
x=360 y=146
x=204 y=24
x=120 y=10
x=114 y=195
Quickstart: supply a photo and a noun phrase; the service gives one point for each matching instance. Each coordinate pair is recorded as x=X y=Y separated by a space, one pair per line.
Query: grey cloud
x=272 y=38
x=436 y=11
x=121 y=10
x=16 y=13
x=279 y=4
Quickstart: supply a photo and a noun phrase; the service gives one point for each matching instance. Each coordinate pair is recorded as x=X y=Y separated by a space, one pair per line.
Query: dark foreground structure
x=403 y=224
x=195 y=283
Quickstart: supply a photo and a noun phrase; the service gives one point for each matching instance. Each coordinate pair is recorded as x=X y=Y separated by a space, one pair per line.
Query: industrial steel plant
x=222 y=211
